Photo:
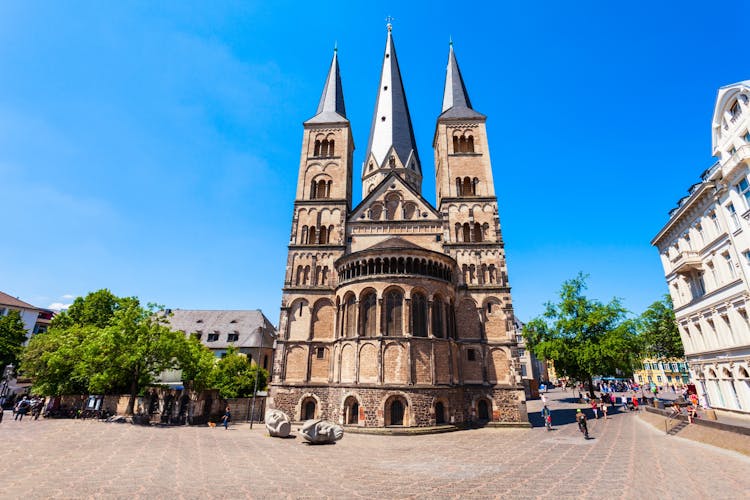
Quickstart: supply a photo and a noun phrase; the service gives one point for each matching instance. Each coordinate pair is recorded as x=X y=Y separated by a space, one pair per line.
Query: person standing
x=22 y=408
x=226 y=418
x=595 y=408
x=603 y=408
x=547 y=416
x=582 y=426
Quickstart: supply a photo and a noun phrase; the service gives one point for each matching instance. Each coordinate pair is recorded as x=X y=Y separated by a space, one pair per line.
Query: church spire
x=391 y=145
x=456 y=103
x=331 y=107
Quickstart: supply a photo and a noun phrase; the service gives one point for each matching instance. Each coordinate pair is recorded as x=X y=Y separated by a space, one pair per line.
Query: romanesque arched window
x=312 y=236
x=456 y=147
x=477 y=232
x=459 y=183
x=306 y=276
x=467 y=187
x=419 y=315
x=313 y=189
x=330 y=148
x=462 y=144
x=493 y=273
x=437 y=317
x=324 y=276
x=391 y=205
x=300 y=275
x=303 y=238
x=393 y=312
x=322 y=191
x=350 y=328
x=330 y=232
x=323 y=236
x=470 y=144
x=467 y=232
x=316 y=152
x=368 y=307
x=458 y=232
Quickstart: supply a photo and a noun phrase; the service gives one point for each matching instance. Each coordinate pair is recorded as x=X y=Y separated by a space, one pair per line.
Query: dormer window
x=233 y=337
x=199 y=321
x=233 y=321
x=213 y=337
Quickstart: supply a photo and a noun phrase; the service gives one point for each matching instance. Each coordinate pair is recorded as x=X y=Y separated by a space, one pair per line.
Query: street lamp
x=257 y=375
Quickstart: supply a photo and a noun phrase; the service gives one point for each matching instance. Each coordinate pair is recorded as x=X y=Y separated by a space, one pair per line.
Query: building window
x=744 y=189
x=699 y=230
x=746 y=136
x=735 y=111
x=213 y=337
x=419 y=315
x=715 y=220
x=393 y=313
x=733 y=215
x=320 y=352
x=730 y=265
x=233 y=337
x=471 y=354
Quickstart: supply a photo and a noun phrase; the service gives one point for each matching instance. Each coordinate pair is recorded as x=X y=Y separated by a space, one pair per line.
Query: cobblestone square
x=626 y=458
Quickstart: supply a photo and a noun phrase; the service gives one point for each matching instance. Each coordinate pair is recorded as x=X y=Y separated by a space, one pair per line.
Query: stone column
x=356 y=318
x=379 y=317
x=429 y=319
x=406 y=318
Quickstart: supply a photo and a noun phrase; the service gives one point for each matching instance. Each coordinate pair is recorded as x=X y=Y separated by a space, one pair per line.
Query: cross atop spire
x=388 y=20
x=456 y=103
x=331 y=107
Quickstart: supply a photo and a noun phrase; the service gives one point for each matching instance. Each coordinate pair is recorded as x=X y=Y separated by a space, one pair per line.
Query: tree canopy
x=658 y=328
x=235 y=375
x=584 y=337
x=108 y=344
x=12 y=337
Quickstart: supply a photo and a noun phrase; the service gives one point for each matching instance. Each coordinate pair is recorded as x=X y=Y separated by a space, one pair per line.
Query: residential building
x=249 y=331
x=705 y=252
x=35 y=319
x=663 y=372
x=396 y=312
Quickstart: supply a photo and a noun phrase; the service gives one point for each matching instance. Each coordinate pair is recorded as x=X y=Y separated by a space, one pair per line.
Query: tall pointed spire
x=392 y=144
x=456 y=103
x=331 y=107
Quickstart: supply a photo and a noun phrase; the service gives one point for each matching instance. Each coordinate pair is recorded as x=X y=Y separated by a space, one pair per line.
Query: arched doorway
x=351 y=411
x=483 y=410
x=397 y=412
x=439 y=413
x=308 y=409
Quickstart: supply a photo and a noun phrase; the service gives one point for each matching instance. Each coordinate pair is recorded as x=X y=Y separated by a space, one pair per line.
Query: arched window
x=350 y=329
x=439 y=413
x=459 y=233
x=470 y=144
x=321 y=189
x=308 y=410
x=368 y=307
x=330 y=147
x=477 y=232
x=467 y=232
x=300 y=275
x=466 y=189
x=317 y=149
x=330 y=232
x=419 y=315
x=409 y=210
x=306 y=276
x=455 y=144
x=458 y=185
x=303 y=239
x=312 y=237
x=328 y=189
x=437 y=318
x=324 y=276
x=474 y=185
x=462 y=144
x=323 y=238
x=391 y=205
x=393 y=312
x=313 y=190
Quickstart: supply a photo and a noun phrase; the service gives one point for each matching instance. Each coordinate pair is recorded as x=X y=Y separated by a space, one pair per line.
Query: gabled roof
x=382 y=188
x=395 y=242
x=331 y=108
x=391 y=121
x=8 y=300
x=251 y=325
x=456 y=102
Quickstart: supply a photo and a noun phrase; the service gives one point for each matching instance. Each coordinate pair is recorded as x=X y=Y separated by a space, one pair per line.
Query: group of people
x=26 y=406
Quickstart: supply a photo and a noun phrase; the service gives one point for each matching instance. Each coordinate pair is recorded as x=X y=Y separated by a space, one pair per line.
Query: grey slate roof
x=331 y=108
x=251 y=326
x=456 y=102
x=396 y=130
x=9 y=300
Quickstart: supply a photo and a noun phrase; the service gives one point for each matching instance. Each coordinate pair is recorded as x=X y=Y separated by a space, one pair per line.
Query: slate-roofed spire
x=331 y=108
x=391 y=128
x=456 y=102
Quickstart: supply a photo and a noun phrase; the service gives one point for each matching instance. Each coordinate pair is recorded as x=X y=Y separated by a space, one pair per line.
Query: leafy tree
x=12 y=337
x=96 y=309
x=234 y=375
x=54 y=361
x=584 y=337
x=197 y=363
x=658 y=328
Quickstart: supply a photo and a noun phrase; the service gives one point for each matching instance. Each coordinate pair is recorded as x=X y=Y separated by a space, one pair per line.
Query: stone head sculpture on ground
x=277 y=424
x=321 y=432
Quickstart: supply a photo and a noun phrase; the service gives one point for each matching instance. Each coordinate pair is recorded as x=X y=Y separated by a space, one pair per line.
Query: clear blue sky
x=152 y=148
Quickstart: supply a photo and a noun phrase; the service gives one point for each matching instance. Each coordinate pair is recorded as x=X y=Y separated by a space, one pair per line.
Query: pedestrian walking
x=22 y=408
x=226 y=418
x=595 y=408
x=582 y=426
x=635 y=404
x=547 y=416
x=603 y=407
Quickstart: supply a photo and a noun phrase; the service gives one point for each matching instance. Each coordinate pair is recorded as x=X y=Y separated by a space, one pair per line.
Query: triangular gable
x=378 y=195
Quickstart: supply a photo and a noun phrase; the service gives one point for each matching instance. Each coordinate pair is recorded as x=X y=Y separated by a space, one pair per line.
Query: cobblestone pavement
x=626 y=458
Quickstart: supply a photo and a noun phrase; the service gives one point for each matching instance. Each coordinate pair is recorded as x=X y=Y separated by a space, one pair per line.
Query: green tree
x=234 y=376
x=12 y=337
x=54 y=361
x=197 y=363
x=584 y=337
x=658 y=329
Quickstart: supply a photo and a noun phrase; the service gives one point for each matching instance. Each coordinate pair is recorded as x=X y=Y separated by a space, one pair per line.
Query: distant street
x=625 y=459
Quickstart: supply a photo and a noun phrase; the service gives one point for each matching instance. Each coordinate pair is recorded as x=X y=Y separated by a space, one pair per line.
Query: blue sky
x=153 y=148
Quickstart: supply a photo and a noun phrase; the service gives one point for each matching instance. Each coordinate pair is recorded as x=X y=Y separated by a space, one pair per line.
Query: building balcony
x=742 y=154
x=686 y=262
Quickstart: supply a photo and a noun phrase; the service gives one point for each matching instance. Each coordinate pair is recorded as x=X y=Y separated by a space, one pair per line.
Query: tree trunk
x=133 y=391
x=591 y=386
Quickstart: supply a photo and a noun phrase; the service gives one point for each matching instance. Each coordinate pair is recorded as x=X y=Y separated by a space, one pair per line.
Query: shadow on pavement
x=566 y=416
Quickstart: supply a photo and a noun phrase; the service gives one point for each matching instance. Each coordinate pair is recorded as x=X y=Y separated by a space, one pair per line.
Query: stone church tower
x=395 y=313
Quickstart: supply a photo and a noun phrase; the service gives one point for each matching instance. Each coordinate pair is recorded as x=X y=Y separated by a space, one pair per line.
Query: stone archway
x=396 y=411
x=351 y=411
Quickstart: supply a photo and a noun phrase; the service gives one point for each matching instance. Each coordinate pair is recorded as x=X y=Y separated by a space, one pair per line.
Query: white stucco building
x=705 y=251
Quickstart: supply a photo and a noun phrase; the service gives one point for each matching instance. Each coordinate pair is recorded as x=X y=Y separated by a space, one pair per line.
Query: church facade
x=395 y=312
